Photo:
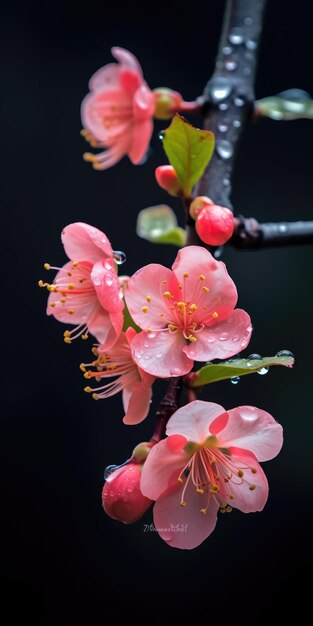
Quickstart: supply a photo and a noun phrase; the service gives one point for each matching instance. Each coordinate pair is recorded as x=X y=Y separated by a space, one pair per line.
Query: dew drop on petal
x=97 y=281
x=119 y=257
x=249 y=413
x=175 y=371
x=220 y=89
x=108 y=470
x=253 y=357
x=263 y=371
x=231 y=64
x=224 y=149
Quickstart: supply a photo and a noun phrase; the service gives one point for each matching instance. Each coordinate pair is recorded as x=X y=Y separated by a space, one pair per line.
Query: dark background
x=62 y=560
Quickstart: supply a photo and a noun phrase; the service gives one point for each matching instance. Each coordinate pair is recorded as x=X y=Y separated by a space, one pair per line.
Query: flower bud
x=214 y=224
x=167 y=179
x=121 y=496
x=198 y=204
x=167 y=102
x=141 y=451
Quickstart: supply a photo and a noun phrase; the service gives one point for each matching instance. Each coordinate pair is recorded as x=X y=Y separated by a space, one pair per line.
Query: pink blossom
x=121 y=496
x=135 y=384
x=208 y=462
x=117 y=113
x=86 y=291
x=186 y=314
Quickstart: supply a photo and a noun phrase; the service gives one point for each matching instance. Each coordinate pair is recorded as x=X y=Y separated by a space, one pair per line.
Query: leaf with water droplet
x=235 y=368
x=292 y=104
x=158 y=224
x=188 y=150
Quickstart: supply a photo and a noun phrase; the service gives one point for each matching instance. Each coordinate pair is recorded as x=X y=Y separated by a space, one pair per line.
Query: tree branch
x=167 y=407
x=250 y=235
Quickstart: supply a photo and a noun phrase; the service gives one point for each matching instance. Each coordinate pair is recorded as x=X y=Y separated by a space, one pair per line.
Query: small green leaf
x=188 y=150
x=236 y=367
x=292 y=104
x=158 y=224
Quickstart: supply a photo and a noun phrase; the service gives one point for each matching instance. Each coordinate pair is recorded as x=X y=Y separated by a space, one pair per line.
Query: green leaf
x=292 y=104
x=158 y=224
x=236 y=367
x=188 y=150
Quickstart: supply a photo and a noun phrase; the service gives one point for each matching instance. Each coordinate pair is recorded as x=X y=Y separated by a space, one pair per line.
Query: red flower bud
x=167 y=179
x=214 y=224
x=121 y=496
x=167 y=102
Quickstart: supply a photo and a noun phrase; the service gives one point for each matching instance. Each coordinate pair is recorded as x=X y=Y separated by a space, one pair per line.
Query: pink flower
x=135 y=384
x=86 y=290
x=117 y=113
x=187 y=314
x=121 y=496
x=208 y=461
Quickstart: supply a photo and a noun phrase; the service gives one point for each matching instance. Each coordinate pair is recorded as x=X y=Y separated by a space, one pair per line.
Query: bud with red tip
x=214 y=224
x=121 y=496
x=167 y=179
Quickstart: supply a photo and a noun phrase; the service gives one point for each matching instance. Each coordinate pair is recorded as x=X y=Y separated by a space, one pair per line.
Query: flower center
x=110 y=365
x=188 y=315
x=213 y=473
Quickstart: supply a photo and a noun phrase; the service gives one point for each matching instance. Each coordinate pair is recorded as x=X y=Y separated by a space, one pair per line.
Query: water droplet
x=236 y=36
x=224 y=149
x=238 y=101
x=223 y=106
x=248 y=21
x=227 y=50
x=251 y=44
x=226 y=182
x=148 y=356
x=295 y=94
x=282 y=228
x=236 y=123
x=249 y=413
x=161 y=134
x=158 y=355
x=130 y=489
x=284 y=353
x=231 y=64
x=247 y=71
x=108 y=470
x=108 y=265
x=220 y=89
x=222 y=128
x=97 y=281
x=151 y=335
x=223 y=336
x=211 y=339
x=146 y=344
x=175 y=371
x=263 y=371
x=218 y=252
x=254 y=357
x=119 y=257
x=235 y=380
x=109 y=281
x=156 y=232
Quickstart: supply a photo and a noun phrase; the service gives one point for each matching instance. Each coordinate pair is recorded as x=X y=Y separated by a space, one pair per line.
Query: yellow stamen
x=215 y=315
x=182 y=503
x=89 y=157
x=193 y=307
x=180 y=480
x=145 y=309
x=95 y=396
x=71 y=286
x=71 y=311
x=52 y=304
x=186 y=275
x=75 y=264
x=240 y=473
x=82 y=367
x=66 y=333
x=252 y=487
x=192 y=338
x=47 y=266
x=41 y=283
x=67 y=340
x=198 y=490
x=206 y=289
x=214 y=488
x=172 y=327
x=84 y=337
x=87 y=374
x=63 y=300
x=167 y=294
x=253 y=470
x=88 y=389
x=148 y=298
x=203 y=511
x=201 y=277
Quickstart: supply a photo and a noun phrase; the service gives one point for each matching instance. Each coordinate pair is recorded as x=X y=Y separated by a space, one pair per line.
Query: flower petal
x=107 y=285
x=106 y=327
x=162 y=467
x=144 y=298
x=142 y=132
x=106 y=77
x=249 y=493
x=126 y=58
x=197 y=261
x=184 y=527
x=136 y=401
x=143 y=103
x=130 y=80
x=252 y=429
x=194 y=419
x=222 y=340
x=161 y=354
x=86 y=243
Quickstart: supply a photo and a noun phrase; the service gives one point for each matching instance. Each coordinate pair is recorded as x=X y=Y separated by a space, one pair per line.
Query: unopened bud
x=167 y=179
x=121 y=496
x=199 y=203
x=167 y=102
x=141 y=451
x=215 y=225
